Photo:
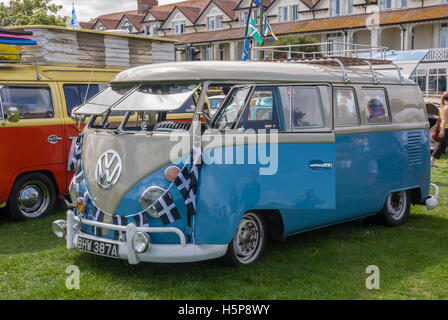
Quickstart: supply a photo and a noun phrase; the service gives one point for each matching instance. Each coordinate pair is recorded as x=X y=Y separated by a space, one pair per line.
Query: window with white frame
x=295 y=12
x=336 y=8
x=179 y=27
x=444 y=35
x=334 y=46
x=348 y=7
x=101 y=27
x=283 y=14
x=211 y=23
x=155 y=30
x=386 y=4
x=214 y=22
x=243 y=18
x=256 y=16
x=401 y=4
x=148 y=30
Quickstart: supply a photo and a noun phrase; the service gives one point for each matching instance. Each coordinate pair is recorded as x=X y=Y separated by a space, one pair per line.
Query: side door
x=35 y=142
x=73 y=95
x=279 y=150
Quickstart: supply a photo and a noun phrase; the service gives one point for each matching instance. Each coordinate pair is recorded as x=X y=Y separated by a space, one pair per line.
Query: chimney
x=144 y=5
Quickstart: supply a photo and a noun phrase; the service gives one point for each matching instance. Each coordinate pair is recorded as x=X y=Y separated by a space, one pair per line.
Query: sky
x=88 y=9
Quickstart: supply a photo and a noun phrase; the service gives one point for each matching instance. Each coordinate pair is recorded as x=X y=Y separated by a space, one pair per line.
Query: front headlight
x=150 y=196
x=73 y=191
x=140 y=242
x=59 y=228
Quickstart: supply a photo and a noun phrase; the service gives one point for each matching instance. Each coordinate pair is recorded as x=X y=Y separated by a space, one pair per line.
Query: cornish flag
x=166 y=209
x=76 y=161
x=187 y=181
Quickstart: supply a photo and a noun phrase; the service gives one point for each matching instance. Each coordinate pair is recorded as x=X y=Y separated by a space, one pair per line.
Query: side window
x=306 y=107
x=261 y=112
x=229 y=113
x=32 y=102
x=75 y=94
x=345 y=107
x=376 y=106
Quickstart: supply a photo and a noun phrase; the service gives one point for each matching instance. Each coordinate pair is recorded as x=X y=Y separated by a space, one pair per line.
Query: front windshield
x=101 y=102
x=230 y=111
x=157 y=97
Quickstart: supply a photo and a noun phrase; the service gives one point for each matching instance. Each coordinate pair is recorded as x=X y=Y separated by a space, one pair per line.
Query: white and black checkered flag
x=187 y=181
x=76 y=161
x=166 y=209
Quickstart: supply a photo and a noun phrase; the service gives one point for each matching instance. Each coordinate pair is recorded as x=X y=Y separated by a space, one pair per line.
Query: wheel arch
x=273 y=221
x=48 y=173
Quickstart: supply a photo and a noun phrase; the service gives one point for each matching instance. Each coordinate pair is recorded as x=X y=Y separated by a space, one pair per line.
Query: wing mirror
x=12 y=114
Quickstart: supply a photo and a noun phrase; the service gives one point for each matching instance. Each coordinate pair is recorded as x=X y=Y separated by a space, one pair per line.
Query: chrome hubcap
x=248 y=240
x=33 y=199
x=396 y=204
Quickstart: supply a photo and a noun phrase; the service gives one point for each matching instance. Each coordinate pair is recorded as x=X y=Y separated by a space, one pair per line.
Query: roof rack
x=346 y=61
x=22 y=61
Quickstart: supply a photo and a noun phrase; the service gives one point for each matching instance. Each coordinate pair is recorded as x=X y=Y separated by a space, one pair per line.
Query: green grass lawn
x=325 y=264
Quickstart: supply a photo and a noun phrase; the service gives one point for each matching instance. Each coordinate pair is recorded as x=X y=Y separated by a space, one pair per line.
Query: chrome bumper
x=171 y=253
x=432 y=202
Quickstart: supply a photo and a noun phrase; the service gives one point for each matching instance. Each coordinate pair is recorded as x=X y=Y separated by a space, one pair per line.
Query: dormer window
x=243 y=18
x=179 y=27
x=214 y=22
x=283 y=14
x=127 y=26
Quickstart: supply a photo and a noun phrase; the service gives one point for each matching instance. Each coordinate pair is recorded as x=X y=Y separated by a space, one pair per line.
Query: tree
x=30 y=12
x=296 y=52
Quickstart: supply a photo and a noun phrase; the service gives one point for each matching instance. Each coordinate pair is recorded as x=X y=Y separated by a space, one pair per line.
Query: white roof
x=253 y=71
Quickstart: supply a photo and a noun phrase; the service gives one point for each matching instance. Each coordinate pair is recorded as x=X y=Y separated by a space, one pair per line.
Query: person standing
x=443 y=136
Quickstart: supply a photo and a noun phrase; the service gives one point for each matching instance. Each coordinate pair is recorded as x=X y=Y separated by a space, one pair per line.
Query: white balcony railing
x=437 y=54
x=313 y=50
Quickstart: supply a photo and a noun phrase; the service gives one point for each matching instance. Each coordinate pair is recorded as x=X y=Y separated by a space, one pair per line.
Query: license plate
x=98 y=247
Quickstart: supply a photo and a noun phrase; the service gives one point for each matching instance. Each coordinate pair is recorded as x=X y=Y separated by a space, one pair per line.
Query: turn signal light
x=80 y=205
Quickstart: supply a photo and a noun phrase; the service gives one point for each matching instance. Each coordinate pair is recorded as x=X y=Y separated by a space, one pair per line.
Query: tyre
x=396 y=209
x=248 y=242
x=33 y=196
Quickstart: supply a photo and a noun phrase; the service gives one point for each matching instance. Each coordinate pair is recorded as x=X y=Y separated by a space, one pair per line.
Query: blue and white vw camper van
x=294 y=147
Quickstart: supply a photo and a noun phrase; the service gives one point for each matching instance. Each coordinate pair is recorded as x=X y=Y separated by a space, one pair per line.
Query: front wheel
x=248 y=242
x=33 y=196
x=396 y=209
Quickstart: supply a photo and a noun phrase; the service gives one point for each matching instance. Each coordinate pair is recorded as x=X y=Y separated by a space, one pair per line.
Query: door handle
x=53 y=139
x=327 y=165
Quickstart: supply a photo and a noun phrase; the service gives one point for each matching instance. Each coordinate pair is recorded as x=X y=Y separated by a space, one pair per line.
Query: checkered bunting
x=187 y=181
x=76 y=161
x=121 y=221
x=166 y=209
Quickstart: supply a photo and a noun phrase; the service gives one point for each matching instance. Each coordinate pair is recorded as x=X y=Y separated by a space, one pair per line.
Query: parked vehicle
x=36 y=133
x=343 y=146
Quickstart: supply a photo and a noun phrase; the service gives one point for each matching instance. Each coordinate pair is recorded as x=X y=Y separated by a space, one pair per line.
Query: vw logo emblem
x=108 y=169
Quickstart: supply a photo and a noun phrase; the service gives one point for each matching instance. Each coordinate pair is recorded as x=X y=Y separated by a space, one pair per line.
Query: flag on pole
x=246 y=49
x=75 y=23
x=252 y=31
